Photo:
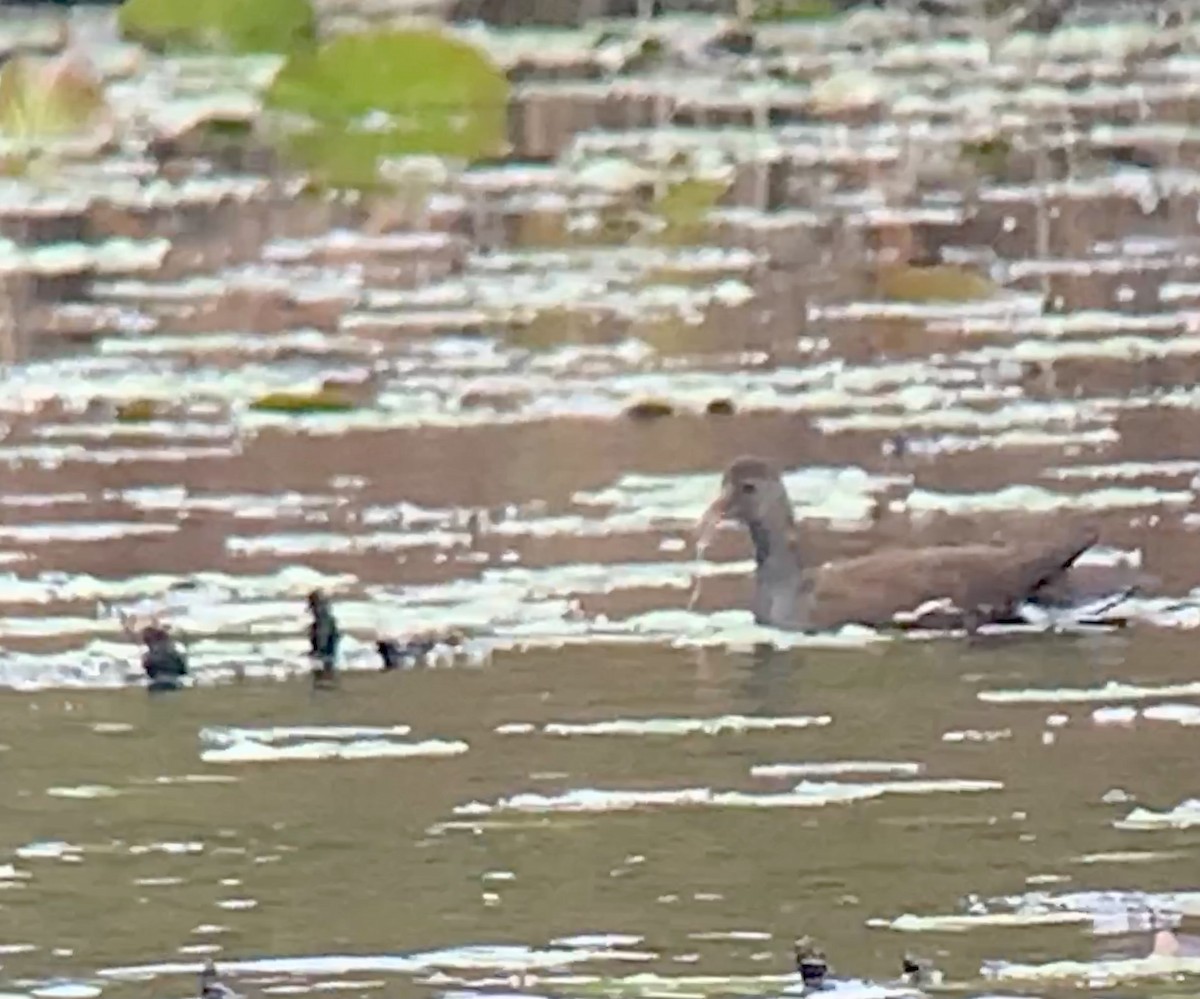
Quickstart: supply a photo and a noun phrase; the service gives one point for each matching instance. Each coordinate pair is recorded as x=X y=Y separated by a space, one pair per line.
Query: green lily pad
x=988 y=156
x=325 y=400
x=684 y=207
x=239 y=26
x=137 y=411
x=391 y=94
x=794 y=10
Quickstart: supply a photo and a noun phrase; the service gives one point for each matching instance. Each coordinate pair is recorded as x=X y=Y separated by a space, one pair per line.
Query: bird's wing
x=976 y=581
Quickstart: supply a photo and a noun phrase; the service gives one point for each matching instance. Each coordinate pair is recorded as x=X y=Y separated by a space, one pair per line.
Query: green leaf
x=391 y=94
x=684 y=207
x=938 y=283
x=794 y=10
x=239 y=26
x=325 y=400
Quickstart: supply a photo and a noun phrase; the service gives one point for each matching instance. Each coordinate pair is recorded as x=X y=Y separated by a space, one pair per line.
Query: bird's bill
x=711 y=519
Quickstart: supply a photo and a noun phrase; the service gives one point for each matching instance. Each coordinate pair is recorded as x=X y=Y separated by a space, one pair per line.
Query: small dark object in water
x=914 y=971
x=211 y=986
x=811 y=963
x=417 y=647
x=163 y=662
x=390 y=652
x=649 y=409
x=720 y=407
x=323 y=638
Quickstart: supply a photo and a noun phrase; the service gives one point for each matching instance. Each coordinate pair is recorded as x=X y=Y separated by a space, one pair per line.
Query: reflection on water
x=538 y=858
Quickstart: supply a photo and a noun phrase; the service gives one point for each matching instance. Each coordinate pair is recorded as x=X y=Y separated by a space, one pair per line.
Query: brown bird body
x=942 y=586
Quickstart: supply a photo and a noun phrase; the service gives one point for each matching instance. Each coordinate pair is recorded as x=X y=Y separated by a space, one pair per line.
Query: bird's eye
x=748 y=487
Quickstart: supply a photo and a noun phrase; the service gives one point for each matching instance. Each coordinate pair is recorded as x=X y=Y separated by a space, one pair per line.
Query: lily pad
x=389 y=94
x=40 y=98
x=794 y=10
x=324 y=400
x=938 y=283
x=684 y=207
x=988 y=156
x=137 y=411
x=239 y=26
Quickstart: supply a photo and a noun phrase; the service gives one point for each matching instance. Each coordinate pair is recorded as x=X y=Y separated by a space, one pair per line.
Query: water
x=599 y=786
x=158 y=858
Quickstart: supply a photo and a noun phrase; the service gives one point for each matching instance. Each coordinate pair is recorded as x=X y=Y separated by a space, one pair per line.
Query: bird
x=811 y=963
x=211 y=987
x=163 y=662
x=941 y=586
x=917 y=972
x=323 y=638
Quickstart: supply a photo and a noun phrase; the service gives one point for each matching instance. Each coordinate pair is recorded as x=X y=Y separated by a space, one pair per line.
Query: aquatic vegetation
x=988 y=156
x=794 y=10
x=683 y=207
x=937 y=283
x=137 y=411
x=327 y=399
x=43 y=98
x=649 y=409
x=390 y=94
x=219 y=25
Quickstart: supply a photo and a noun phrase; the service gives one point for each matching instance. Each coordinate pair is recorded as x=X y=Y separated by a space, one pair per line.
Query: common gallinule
x=811 y=963
x=969 y=584
x=323 y=637
x=211 y=986
x=163 y=661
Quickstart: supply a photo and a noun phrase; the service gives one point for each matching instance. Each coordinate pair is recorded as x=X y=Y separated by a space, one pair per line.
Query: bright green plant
x=239 y=26
x=794 y=10
x=391 y=94
x=45 y=98
x=684 y=208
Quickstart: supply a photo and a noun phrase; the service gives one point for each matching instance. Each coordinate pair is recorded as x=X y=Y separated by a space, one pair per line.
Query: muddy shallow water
x=604 y=787
x=129 y=851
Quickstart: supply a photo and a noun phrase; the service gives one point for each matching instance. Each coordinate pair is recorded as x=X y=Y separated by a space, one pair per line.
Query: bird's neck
x=776 y=547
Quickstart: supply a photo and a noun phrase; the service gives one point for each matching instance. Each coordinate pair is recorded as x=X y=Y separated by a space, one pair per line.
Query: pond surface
x=746 y=799
x=513 y=397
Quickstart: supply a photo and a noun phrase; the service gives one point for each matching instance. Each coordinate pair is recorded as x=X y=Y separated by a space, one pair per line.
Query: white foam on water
x=961 y=923
x=66 y=990
x=1183 y=816
x=83 y=791
x=222 y=736
x=1097 y=974
x=253 y=751
x=31 y=534
x=1034 y=499
x=1104 y=912
x=1183 y=714
x=48 y=850
x=482 y=956
x=805 y=795
x=834 y=768
x=680 y=726
x=1114 y=690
